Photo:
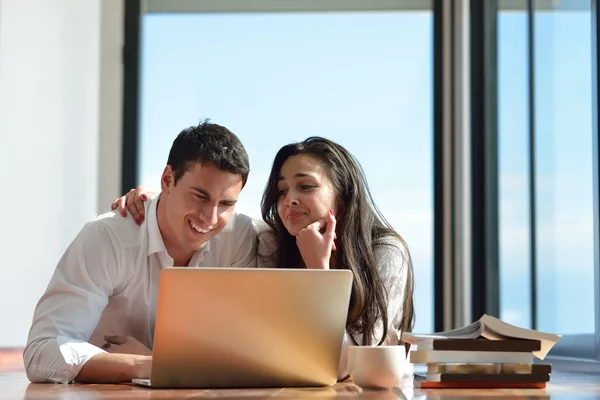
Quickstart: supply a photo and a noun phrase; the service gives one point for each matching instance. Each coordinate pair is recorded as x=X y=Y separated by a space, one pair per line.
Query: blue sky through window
x=563 y=120
x=362 y=79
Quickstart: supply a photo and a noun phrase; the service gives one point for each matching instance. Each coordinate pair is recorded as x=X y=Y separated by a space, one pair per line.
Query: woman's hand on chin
x=316 y=242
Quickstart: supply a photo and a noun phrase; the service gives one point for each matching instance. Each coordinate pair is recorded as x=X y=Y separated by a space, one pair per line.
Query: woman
x=307 y=180
x=320 y=214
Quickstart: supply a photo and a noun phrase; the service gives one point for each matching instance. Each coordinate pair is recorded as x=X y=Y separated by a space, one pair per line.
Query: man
x=95 y=322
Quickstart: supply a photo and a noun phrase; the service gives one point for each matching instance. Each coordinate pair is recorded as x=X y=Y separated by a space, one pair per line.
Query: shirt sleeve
x=265 y=250
x=69 y=310
x=245 y=252
x=393 y=264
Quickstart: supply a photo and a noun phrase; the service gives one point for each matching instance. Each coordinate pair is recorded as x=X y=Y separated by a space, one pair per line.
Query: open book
x=490 y=328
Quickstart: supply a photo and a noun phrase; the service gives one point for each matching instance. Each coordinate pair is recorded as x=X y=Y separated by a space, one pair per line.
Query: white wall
x=60 y=83
x=111 y=102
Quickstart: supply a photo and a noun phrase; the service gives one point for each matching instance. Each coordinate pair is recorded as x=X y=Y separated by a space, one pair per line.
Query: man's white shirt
x=106 y=283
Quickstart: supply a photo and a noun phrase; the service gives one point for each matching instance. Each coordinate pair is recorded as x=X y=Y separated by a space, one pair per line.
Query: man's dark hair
x=208 y=143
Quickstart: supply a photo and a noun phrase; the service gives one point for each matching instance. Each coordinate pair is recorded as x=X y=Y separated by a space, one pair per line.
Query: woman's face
x=306 y=194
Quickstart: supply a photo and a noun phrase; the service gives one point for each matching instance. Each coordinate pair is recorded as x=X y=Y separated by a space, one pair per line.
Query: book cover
x=488 y=368
x=480 y=345
x=444 y=377
x=420 y=382
x=450 y=356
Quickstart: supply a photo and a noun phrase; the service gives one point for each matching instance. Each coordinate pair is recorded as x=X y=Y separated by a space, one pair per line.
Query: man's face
x=198 y=206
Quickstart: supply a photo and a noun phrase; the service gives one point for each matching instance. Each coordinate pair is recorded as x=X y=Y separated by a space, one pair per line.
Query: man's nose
x=210 y=214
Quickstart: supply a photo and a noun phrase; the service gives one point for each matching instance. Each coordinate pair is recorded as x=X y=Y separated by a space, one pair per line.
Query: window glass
x=513 y=165
x=363 y=79
x=564 y=200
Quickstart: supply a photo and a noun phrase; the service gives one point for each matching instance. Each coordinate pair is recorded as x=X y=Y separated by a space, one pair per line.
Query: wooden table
x=14 y=385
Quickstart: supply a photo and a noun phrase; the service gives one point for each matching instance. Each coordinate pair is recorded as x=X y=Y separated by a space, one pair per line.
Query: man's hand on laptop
x=126 y=359
x=125 y=345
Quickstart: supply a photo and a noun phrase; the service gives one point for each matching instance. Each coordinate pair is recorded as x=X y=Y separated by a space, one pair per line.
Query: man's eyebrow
x=298 y=175
x=208 y=196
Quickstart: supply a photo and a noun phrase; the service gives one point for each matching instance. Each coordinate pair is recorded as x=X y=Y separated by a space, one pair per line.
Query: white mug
x=377 y=367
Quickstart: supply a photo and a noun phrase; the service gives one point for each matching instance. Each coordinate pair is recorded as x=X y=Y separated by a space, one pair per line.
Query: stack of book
x=486 y=354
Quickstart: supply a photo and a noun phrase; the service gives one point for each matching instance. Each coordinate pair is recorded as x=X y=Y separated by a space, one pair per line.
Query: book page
x=494 y=328
x=472 y=331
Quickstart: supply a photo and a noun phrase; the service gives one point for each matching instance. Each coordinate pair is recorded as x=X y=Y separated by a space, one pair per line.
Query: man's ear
x=167 y=179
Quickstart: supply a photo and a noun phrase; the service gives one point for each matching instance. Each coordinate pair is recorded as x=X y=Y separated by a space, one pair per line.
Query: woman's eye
x=281 y=192
x=306 y=187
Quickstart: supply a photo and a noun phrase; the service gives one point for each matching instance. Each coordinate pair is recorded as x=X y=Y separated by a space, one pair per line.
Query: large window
x=545 y=169
x=361 y=78
x=516 y=84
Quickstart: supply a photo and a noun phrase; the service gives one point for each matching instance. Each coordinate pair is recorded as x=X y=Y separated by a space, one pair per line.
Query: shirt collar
x=155 y=240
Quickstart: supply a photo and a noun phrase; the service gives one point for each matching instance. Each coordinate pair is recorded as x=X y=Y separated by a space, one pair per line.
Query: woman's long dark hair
x=360 y=227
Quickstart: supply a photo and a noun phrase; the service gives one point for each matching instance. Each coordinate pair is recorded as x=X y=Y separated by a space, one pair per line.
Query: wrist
x=318 y=265
x=141 y=367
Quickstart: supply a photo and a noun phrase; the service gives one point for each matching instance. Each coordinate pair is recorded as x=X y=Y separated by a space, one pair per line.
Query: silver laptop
x=248 y=327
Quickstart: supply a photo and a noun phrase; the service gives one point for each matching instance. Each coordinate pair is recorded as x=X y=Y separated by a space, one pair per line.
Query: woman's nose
x=290 y=199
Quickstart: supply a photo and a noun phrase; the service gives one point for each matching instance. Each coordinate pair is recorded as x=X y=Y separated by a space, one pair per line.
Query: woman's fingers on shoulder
x=136 y=210
x=142 y=193
x=129 y=202
x=122 y=205
x=140 y=211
